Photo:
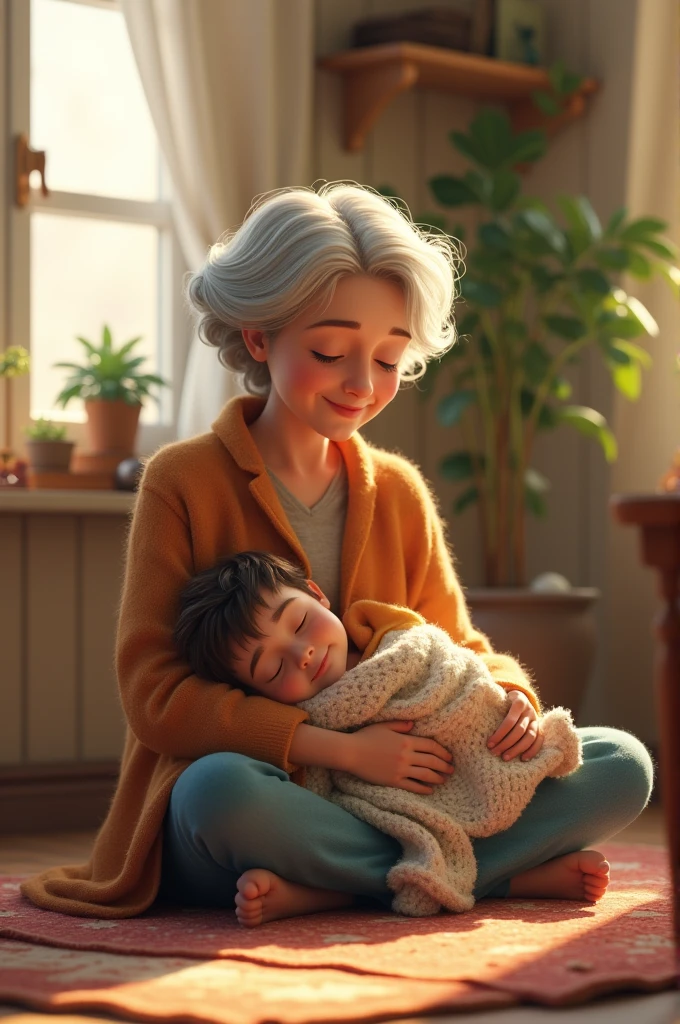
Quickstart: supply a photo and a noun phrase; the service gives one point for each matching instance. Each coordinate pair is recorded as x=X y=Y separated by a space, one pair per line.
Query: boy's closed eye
x=267 y=681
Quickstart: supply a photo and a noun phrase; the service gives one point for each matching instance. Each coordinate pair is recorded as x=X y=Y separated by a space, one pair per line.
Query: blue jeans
x=228 y=813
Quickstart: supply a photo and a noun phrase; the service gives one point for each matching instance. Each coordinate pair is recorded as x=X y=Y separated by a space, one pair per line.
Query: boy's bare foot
x=583 y=875
x=263 y=896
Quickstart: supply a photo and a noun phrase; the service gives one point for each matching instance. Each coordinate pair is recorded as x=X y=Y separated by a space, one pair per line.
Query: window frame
x=15 y=227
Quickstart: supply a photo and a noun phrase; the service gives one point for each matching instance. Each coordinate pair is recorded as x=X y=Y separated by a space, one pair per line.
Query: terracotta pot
x=112 y=426
x=554 y=636
x=49 y=456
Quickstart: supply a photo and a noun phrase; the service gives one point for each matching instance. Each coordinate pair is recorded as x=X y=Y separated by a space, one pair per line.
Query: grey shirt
x=320 y=530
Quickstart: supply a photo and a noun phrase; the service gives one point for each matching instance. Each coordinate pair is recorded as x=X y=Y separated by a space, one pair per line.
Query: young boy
x=256 y=618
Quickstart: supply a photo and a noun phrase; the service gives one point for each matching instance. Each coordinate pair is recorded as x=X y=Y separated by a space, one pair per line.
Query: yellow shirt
x=201 y=500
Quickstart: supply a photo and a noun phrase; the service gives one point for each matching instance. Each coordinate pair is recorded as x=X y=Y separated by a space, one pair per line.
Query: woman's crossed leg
x=239 y=831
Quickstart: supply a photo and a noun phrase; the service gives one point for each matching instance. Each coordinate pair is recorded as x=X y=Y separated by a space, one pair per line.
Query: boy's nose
x=306 y=655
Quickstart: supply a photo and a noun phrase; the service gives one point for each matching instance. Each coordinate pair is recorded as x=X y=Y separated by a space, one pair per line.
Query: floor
x=20 y=854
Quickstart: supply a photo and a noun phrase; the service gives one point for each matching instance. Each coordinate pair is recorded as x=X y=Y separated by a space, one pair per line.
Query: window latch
x=28 y=160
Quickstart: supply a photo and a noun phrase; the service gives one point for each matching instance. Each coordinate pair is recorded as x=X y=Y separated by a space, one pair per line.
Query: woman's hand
x=520 y=732
x=383 y=755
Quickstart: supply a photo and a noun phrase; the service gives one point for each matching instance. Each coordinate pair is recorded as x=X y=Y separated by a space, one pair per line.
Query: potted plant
x=113 y=390
x=537 y=293
x=48 y=449
x=14 y=362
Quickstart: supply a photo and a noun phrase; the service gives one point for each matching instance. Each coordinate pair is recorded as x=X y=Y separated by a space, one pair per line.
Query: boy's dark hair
x=218 y=606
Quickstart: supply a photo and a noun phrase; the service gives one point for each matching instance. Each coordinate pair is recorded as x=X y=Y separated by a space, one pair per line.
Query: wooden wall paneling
x=11 y=617
x=333 y=24
x=630 y=601
x=333 y=33
x=101 y=720
x=53 y=626
x=556 y=543
x=47 y=797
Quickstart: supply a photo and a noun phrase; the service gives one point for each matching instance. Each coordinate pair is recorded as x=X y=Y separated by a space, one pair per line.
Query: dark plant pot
x=554 y=636
x=112 y=426
x=49 y=456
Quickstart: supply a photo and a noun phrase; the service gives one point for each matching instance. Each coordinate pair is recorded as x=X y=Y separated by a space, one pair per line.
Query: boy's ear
x=319 y=593
x=256 y=343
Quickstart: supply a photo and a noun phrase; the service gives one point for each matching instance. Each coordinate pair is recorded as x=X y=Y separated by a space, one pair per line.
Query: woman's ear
x=256 y=343
x=318 y=592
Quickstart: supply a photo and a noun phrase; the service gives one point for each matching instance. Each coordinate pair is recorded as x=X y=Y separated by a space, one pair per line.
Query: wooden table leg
x=657 y=516
x=667 y=628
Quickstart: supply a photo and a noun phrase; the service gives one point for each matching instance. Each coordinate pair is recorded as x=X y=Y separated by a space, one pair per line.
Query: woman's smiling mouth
x=345 y=410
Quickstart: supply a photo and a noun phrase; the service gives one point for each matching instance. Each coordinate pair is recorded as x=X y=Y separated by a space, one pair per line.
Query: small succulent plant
x=108 y=374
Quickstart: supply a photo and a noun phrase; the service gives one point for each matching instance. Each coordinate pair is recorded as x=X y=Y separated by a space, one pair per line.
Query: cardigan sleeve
x=439 y=598
x=366 y=623
x=170 y=710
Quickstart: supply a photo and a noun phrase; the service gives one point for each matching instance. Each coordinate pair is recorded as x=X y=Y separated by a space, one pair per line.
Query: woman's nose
x=358 y=382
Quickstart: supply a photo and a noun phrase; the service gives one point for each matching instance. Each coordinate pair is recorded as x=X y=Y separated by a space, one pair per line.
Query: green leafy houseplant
x=15 y=361
x=45 y=430
x=537 y=293
x=47 y=447
x=108 y=374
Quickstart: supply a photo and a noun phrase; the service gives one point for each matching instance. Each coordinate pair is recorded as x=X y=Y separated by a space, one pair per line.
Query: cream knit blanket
x=420 y=674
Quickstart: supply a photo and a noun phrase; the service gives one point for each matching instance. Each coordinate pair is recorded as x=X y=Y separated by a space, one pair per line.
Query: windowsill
x=23 y=499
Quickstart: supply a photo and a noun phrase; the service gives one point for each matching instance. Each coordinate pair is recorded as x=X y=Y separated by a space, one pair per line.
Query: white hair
x=293 y=247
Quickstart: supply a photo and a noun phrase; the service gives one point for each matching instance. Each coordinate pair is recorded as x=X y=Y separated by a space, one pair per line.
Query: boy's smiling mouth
x=322 y=666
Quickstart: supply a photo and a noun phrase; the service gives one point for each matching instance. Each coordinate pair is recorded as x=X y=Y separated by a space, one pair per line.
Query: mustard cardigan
x=200 y=500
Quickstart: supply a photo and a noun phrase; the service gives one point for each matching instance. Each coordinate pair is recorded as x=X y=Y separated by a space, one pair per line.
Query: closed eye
x=389 y=367
x=325 y=359
x=281 y=665
x=275 y=674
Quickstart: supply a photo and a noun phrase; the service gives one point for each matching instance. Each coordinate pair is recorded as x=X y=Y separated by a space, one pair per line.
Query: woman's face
x=302 y=649
x=337 y=368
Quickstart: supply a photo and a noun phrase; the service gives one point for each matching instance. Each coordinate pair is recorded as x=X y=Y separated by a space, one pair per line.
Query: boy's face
x=303 y=648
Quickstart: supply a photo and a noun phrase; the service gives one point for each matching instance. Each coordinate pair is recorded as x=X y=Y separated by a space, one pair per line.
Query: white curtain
x=229 y=85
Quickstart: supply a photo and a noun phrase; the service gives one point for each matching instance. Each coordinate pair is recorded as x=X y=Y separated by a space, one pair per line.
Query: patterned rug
x=198 y=965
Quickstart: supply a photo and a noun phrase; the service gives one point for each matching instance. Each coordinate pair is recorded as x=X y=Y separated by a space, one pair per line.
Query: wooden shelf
x=374 y=75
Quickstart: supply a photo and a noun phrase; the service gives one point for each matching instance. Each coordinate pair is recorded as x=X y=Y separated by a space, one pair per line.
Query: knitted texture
x=419 y=674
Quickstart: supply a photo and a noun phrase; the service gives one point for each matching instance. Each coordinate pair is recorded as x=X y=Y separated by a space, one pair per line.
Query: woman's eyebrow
x=354 y=325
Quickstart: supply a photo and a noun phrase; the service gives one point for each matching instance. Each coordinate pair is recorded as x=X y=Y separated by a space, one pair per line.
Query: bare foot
x=583 y=875
x=263 y=896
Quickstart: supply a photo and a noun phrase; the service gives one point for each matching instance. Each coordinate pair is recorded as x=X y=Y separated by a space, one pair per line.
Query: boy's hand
x=520 y=732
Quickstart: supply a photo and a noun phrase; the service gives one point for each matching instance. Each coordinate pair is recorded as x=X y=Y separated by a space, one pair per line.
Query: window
x=101 y=247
